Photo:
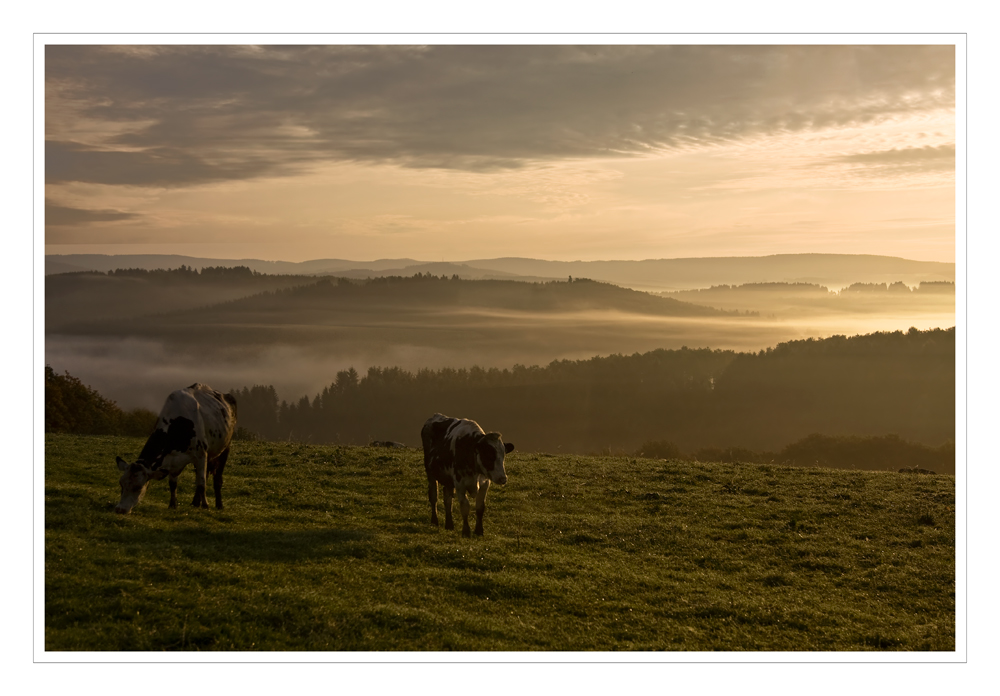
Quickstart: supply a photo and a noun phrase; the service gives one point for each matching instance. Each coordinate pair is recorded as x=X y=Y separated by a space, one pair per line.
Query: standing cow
x=465 y=459
x=195 y=425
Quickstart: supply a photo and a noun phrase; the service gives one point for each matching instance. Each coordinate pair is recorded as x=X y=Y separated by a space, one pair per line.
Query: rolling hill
x=832 y=270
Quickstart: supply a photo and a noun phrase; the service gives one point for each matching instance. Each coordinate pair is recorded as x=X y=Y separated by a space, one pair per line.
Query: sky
x=458 y=152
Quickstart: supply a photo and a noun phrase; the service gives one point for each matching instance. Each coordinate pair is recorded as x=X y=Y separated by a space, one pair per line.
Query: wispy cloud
x=930 y=157
x=58 y=215
x=183 y=115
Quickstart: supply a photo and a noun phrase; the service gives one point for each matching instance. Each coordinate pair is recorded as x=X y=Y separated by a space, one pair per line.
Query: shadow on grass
x=264 y=545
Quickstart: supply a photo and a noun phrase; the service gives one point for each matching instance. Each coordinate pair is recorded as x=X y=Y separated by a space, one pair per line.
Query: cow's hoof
x=449 y=525
x=466 y=534
x=172 y=506
x=204 y=505
x=218 y=506
x=479 y=531
x=434 y=521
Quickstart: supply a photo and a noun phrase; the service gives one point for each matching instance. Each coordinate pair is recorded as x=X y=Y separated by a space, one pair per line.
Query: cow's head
x=490 y=451
x=134 y=480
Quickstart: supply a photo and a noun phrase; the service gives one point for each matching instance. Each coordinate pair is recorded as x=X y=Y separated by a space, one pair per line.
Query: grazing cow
x=195 y=425
x=465 y=459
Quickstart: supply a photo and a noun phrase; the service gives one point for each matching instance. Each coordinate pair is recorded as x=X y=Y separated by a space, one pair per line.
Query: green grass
x=331 y=548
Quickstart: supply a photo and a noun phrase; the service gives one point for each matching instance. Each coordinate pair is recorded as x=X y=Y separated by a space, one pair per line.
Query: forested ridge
x=869 y=385
x=430 y=294
x=810 y=299
x=241 y=307
x=871 y=401
x=77 y=300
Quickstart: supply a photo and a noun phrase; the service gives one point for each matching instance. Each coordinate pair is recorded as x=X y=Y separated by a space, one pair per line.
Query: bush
x=73 y=407
x=242 y=433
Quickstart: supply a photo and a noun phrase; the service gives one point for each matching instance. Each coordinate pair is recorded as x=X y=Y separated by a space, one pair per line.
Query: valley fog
x=301 y=359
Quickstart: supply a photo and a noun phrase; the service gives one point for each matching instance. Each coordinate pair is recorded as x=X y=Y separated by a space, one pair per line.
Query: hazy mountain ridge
x=137 y=335
x=692 y=273
x=836 y=270
x=80 y=298
x=804 y=299
x=276 y=301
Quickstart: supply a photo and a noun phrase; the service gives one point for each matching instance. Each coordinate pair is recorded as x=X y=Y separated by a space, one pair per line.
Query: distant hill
x=430 y=293
x=53 y=266
x=462 y=270
x=151 y=303
x=81 y=298
x=805 y=299
x=832 y=270
x=106 y=262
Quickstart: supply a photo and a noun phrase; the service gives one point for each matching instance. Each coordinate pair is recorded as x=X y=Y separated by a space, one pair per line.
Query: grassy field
x=331 y=548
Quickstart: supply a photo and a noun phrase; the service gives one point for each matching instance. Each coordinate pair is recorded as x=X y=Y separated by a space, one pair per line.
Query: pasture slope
x=330 y=548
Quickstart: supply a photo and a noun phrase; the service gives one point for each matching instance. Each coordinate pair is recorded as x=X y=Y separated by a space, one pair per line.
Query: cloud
x=57 y=215
x=168 y=116
x=929 y=157
x=161 y=167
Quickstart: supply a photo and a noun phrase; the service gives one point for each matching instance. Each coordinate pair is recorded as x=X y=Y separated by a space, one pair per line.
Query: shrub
x=73 y=407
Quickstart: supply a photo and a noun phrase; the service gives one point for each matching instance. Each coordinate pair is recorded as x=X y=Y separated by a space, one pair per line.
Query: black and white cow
x=195 y=426
x=464 y=459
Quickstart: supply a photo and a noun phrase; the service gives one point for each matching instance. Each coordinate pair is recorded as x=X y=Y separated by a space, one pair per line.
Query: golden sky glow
x=464 y=152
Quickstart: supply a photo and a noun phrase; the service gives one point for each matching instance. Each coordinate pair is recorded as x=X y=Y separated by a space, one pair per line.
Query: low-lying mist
x=301 y=359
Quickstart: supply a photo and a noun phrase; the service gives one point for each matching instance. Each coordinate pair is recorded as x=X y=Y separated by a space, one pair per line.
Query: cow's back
x=197 y=417
x=218 y=416
x=448 y=446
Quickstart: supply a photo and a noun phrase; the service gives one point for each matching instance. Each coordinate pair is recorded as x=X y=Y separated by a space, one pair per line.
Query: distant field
x=329 y=548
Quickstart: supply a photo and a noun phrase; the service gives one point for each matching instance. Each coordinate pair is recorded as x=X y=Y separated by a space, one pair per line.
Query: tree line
x=887 y=382
x=833 y=399
x=186 y=272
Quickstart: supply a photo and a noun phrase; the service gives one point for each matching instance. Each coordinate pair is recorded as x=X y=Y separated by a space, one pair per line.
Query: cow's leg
x=463 y=503
x=449 y=491
x=481 y=506
x=200 y=478
x=432 y=495
x=220 y=464
x=173 y=491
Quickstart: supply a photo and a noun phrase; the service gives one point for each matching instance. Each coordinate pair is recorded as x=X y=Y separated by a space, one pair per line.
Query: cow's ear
x=122 y=464
x=508 y=447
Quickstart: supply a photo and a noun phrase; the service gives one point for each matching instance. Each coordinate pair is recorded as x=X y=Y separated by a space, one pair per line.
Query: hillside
x=432 y=294
x=808 y=299
x=123 y=295
x=835 y=270
x=97 y=304
x=872 y=385
x=326 y=548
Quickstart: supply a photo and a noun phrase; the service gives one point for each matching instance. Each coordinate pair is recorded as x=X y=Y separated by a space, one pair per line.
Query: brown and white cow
x=195 y=426
x=459 y=455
